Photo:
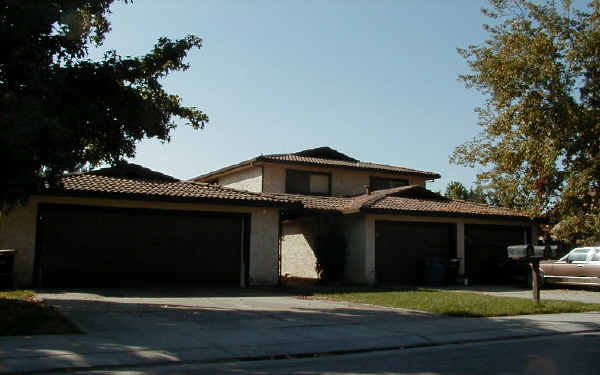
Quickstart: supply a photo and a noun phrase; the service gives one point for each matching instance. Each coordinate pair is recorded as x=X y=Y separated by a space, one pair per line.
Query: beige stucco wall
x=19 y=228
x=247 y=179
x=344 y=182
x=369 y=251
x=297 y=254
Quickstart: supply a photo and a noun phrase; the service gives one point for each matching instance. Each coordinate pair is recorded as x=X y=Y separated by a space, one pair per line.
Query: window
x=595 y=257
x=304 y=182
x=579 y=255
x=380 y=183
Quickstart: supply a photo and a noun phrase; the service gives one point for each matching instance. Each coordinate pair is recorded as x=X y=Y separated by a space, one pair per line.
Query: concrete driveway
x=135 y=327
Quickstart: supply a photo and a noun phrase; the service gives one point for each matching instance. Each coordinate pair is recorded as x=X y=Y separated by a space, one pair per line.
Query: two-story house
x=390 y=221
x=251 y=223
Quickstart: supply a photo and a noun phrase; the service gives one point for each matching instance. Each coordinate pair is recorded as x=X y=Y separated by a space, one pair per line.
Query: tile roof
x=408 y=205
x=90 y=184
x=406 y=200
x=323 y=157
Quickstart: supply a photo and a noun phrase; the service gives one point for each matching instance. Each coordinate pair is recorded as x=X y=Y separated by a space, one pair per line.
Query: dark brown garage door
x=485 y=250
x=92 y=246
x=401 y=249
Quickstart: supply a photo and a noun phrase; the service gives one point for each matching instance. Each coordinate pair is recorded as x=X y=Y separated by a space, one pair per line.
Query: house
x=251 y=223
x=130 y=224
x=390 y=221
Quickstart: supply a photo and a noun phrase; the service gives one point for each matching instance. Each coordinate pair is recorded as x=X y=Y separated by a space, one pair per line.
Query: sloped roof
x=142 y=183
x=406 y=200
x=322 y=157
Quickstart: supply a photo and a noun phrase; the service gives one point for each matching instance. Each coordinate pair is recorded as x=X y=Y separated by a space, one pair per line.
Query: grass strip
x=452 y=303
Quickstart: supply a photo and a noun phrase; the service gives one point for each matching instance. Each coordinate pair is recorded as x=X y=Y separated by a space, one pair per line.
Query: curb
x=277 y=357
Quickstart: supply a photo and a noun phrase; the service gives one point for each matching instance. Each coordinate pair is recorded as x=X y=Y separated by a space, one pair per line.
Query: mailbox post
x=532 y=255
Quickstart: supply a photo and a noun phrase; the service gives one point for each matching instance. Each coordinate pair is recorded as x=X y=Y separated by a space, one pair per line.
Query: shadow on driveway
x=146 y=327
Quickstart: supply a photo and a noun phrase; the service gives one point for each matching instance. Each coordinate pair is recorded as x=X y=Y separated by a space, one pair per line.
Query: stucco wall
x=297 y=254
x=248 y=179
x=344 y=182
x=19 y=228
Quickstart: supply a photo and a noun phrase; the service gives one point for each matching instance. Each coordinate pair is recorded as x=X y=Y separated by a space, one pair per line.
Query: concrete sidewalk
x=147 y=330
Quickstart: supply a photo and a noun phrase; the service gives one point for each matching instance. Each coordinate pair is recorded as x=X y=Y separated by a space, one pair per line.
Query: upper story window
x=381 y=183
x=305 y=182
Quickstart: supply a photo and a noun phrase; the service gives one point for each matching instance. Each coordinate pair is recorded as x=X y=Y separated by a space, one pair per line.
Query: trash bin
x=7 y=263
x=435 y=271
x=452 y=271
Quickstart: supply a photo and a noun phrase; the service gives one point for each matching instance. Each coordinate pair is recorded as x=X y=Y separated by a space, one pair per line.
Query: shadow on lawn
x=26 y=317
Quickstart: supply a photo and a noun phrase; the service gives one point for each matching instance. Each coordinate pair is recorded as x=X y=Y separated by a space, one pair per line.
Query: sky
x=376 y=80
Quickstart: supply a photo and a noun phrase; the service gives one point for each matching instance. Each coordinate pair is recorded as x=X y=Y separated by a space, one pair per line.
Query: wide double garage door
x=401 y=249
x=97 y=246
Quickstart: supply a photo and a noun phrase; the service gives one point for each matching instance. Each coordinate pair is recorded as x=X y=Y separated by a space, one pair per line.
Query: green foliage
x=62 y=111
x=540 y=138
x=456 y=190
x=331 y=256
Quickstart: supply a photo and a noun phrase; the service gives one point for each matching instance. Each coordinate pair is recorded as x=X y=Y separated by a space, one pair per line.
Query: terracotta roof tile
x=93 y=184
x=407 y=200
x=452 y=207
x=322 y=157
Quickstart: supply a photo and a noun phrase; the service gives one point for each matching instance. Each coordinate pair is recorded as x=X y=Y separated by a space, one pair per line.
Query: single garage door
x=485 y=250
x=401 y=249
x=94 y=246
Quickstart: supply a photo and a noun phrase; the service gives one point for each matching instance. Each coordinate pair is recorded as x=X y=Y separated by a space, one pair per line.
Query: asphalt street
x=570 y=354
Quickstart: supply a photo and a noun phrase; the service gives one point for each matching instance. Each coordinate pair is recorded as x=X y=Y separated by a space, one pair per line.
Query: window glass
x=595 y=257
x=380 y=183
x=297 y=182
x=319 y=183
x=304 y=182
x=578 y=255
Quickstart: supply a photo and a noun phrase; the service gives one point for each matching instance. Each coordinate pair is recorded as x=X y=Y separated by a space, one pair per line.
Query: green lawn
x=451 y=303
x=22 y=314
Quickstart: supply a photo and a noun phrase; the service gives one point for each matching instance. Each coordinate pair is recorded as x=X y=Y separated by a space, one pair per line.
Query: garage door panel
x=87 y=245
x=402 y=247
x=485 y=250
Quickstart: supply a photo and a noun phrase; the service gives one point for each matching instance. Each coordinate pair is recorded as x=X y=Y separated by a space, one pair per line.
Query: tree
x=456 y=190
x=540 y=139
x=61 y=111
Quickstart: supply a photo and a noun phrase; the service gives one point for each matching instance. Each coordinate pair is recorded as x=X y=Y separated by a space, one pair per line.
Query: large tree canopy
x=61 y=111
x=540 y=140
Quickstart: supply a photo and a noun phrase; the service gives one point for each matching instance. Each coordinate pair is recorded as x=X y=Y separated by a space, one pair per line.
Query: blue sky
x=376 y=80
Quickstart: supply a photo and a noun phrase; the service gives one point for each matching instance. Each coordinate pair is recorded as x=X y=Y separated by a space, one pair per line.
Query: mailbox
x=525 y=251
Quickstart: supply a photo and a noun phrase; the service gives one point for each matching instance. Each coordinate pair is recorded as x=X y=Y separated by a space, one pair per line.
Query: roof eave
x=446 y=214
x=167 y=198
x=432 y=176
x=226 y=170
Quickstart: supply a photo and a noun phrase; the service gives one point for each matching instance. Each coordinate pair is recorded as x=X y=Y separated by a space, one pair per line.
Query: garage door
x=485 y=250
x=401 y=249
x=92 y=246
